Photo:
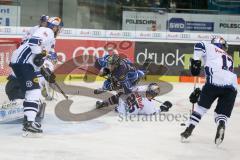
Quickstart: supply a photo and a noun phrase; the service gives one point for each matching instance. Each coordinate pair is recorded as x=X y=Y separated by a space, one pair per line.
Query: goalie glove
x=38 y=60
x=194 y=96
x=48 y=75
x=165 y=106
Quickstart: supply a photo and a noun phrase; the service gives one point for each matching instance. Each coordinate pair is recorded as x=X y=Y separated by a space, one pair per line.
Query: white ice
x=108 y=137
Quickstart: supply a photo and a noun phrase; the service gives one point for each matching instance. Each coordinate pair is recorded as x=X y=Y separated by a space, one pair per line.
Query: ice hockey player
x=122 y=76
x=140 y=101
x=26 y=61
x=42 y=23
x=221 y=84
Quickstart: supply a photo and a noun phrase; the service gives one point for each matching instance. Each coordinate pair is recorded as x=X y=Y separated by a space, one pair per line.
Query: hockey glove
x=104 y=72
x=195 y=67
x=165 y=106
x=193 y=98
x=48 y=75
x=38 y=60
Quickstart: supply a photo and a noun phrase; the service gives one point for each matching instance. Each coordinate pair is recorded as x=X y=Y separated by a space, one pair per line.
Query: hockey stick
x=91 y=72
x=158 y=101
x=55 y=83
x=194 y=87
x=61 y=91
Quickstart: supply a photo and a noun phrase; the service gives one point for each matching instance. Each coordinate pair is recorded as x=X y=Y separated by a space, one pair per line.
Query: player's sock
x=197 y=114
x=113 y=100
x=30 y=110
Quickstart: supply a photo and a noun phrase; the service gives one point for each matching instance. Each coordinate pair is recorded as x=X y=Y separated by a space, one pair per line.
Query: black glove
x=48 y=75
x=105 y=72
x=38 y=59
x=195 y=67
x=165 y=106
x=194 y=96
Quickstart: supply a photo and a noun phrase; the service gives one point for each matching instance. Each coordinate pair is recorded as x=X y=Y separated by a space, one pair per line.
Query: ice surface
x=108 y=137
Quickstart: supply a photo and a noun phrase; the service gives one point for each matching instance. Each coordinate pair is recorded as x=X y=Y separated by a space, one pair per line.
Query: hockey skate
x=31 y=129
x=187 y=133
x=220 y=133
x=101 y=104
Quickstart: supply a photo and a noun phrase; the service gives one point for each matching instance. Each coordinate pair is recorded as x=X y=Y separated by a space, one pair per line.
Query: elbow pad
x=195 y=67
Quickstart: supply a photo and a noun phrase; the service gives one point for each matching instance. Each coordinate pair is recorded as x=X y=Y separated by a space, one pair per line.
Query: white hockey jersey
x=137 y=103
x=218 y=65
x=42 y=39
x=29 y=33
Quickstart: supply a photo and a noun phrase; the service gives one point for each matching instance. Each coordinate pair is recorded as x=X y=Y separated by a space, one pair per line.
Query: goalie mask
x=153 y=90
x=56 y=24
x=220 y=42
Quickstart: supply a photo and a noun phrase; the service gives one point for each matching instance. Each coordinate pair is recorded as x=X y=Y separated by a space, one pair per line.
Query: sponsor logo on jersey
x=29 y=84
x=139 y=100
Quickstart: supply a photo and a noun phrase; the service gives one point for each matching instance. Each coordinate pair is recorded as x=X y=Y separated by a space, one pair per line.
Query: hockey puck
x=183 y=124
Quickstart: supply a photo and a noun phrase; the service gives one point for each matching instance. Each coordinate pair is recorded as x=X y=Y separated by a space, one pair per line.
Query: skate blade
x=27 y=134
x=219 y=140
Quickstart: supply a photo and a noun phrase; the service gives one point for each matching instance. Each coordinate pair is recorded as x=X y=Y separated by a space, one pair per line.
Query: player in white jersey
x=221 y=84
x=42 y=23
x=140 y=101
x=26 y=61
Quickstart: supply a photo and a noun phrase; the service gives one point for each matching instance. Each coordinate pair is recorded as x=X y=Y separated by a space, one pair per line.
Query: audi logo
x=185 y=35
x=86 y=53
x=126 y=34
x=96 y=33
x=65 y=31
x=156 y=34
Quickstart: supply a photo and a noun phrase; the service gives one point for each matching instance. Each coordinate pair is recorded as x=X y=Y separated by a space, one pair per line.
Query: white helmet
x=220 y=43
x=55 y=23
x=153 y=90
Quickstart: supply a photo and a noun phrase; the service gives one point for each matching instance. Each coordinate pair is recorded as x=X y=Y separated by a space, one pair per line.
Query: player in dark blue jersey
x=121 y=75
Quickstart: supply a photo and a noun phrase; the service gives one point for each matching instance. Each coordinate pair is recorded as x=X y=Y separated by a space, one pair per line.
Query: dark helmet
x=220 y=42
x=114 y=59
x=153 y=90
x=44 y=18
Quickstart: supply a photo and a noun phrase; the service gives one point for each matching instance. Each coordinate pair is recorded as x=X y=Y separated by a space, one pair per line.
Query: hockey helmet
x=153 y=90
x=43 y=21
x=55 y=23
x=220 y=43
x=114 y=60
x=44 y=18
